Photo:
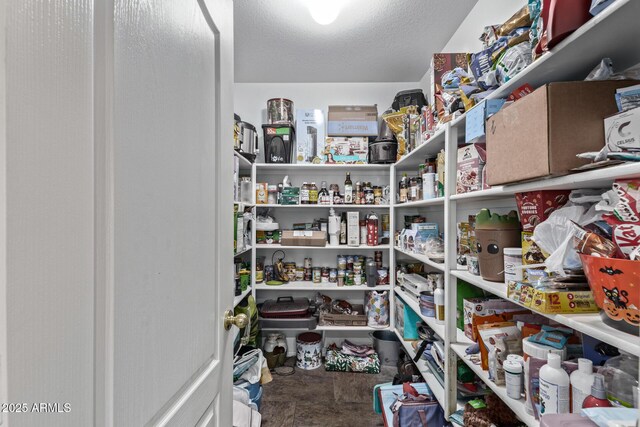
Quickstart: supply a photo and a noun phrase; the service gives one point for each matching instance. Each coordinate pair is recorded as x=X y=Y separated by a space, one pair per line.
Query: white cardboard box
x=310 y=136
x=353 y=228
x=622 y=131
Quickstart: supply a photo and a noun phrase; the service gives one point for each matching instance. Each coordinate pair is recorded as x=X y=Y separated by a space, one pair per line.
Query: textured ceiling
x=370 y=41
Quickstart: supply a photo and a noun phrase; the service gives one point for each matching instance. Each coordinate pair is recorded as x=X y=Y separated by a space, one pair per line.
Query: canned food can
x=317 y=275
x=307 y=263
x=357 y=279
x=299 y=274
x=308 y=274
x=383 y=276
x=333 y=275
x=348 y=280
x=350 y=261
x=325 y=274
x=342 y=262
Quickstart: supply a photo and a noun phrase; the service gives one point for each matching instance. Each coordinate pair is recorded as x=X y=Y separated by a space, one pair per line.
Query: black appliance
x=409 y=97
x=279 y=142
x=383 y=151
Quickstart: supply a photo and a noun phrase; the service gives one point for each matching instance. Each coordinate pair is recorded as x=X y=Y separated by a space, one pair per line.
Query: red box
x=536 y=206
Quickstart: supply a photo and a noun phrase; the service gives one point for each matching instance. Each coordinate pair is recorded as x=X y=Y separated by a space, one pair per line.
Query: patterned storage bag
x=417 y=410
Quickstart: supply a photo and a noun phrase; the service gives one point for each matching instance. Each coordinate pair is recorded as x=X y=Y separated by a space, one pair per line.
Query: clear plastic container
x=621 y=380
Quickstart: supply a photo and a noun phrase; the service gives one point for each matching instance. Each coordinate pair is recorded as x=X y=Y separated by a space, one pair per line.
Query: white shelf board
x=327 y=248
x=411 y=302
x=517 y=406
x=461 y=338
x=242 y=251
x=422 y=258
x=431 y=147
x=349 y=328
x=342 y=207
x=598 y=178
x=425 y=371
x=244 y=163
x=420 y=203
x=237 y=299
x=588 y=323
x=303 y=167
x=310 y=286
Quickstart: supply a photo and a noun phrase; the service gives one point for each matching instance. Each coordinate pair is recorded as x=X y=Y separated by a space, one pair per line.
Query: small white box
x=310 y=136
x=622 y=131
x=353 y=228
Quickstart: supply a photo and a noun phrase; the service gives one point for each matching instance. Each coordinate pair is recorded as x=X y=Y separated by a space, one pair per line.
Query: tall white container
x=554 y=387
x=581 y=382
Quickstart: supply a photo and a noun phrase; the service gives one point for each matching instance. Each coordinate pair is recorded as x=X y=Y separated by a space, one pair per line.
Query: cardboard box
x=440 y=64
x=483 y=307
x=290 y=196
x=470 y=175
x=353 y=228
x=346 y=150
x=331 y=319
x=303 y=238
x=425 y=230
x=552 y=301
x=532 y=255
x=535 y=207
x=476 y=118
x=622 y=131
x=352 y=120
x=267 y=237
x=541 y=134
x=310 y=136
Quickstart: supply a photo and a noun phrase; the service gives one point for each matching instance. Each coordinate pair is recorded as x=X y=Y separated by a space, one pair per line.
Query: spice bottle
x=403 y=190
x=304 y=194
x=313 y=194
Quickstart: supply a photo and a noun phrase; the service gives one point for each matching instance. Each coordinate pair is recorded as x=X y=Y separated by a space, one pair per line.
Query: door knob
x=241 y=320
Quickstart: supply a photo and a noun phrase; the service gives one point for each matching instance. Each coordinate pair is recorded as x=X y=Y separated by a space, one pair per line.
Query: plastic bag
x=555 y=235
x=513 y=61
x=603 y=71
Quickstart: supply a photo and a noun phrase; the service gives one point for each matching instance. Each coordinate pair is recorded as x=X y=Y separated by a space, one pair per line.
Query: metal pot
x=383 y=151
x=248 y=138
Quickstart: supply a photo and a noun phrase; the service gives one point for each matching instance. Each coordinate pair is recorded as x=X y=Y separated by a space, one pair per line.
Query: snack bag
x=624 y=215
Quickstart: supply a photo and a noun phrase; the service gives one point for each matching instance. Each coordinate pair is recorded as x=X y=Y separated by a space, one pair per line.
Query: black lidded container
x=279 y=142
x=409 y=97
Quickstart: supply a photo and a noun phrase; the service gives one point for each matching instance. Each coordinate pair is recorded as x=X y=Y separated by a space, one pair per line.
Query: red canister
x=373 y=233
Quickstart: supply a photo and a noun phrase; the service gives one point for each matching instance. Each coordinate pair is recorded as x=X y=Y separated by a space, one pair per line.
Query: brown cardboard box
x=352 y=120
x=541 y=134
x=303 y=238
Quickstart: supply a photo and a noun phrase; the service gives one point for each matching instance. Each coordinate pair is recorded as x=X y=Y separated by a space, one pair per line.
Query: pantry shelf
x=430 y=321
x=244 y=163
x=590 y=323
x=431 y=147
x=327 y=248
x=422 y=258
x=237 y=299
x=347 y=328
x=420 y=203
x=517 y=406
x=303 y=167
x=425 y=371
x=342 y=207
x=598 y=178
x=310 y=286
x=242 y=252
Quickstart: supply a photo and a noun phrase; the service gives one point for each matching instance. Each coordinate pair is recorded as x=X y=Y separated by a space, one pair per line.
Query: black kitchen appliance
x=383 y=151
x=279 y=141
x=409 y=97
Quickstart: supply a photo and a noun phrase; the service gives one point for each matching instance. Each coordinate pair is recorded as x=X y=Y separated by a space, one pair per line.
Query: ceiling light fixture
x=324 y=12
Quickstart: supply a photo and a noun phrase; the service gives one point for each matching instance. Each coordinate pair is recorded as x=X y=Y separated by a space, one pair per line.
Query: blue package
x=598 y=6
x=476 y=118
x=606 y=417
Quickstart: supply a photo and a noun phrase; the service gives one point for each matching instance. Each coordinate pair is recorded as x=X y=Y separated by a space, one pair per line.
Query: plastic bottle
x=620 y=379
x=554 y=387
x=598 y=396
x=581 y=384
x=438 y=299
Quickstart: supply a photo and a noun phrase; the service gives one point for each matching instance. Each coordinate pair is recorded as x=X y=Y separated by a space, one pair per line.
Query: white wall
x=251 y=98
x=466 y=37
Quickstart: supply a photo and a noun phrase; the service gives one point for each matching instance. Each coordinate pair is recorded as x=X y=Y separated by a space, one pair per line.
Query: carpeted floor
x=322 y=399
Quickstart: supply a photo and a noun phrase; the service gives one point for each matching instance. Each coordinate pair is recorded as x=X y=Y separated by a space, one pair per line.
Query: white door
x=167 y=213
x=115 y=212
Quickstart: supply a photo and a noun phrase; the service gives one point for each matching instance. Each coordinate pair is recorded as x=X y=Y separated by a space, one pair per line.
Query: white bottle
x=334 y=228
x=438 y=299
x=554 y=387
x=581 y=382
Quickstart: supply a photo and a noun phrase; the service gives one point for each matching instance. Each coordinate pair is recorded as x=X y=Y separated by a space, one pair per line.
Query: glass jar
x=245 y=189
